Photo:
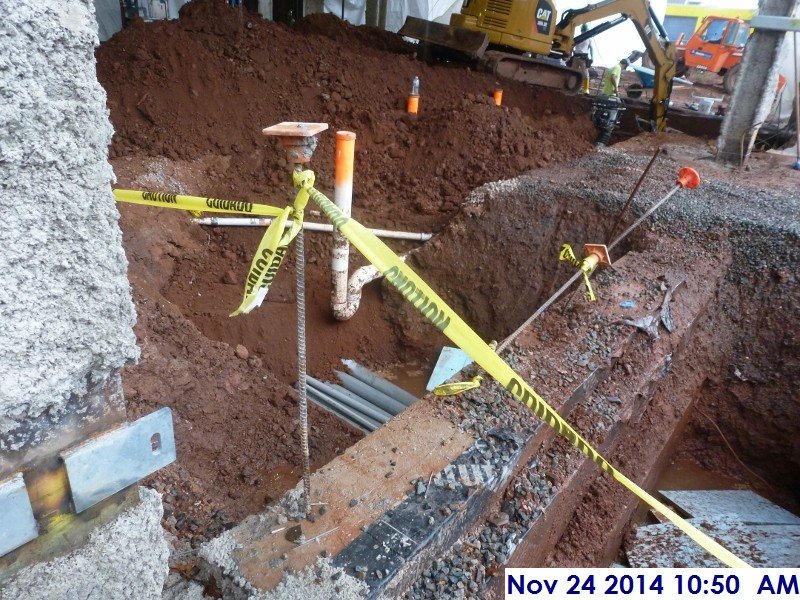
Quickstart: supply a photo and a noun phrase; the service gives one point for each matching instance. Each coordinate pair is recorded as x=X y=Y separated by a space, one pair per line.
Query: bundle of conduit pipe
x=364 y=400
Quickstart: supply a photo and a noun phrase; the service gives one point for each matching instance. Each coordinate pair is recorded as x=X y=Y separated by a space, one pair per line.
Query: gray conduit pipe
x=351 y=400
x=379 y=383
x=330 y=409
x=342 y=409
x=359 y=388
x=337 y=388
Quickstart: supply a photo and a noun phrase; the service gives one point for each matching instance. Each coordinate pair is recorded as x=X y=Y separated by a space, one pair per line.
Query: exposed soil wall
x=751 y=392
x=497 y=261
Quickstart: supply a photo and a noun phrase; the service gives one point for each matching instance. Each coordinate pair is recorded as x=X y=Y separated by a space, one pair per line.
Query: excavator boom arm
x=660 y=50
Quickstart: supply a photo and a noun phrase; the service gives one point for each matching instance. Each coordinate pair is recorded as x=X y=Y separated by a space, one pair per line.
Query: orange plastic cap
x=688 y=178
x=498 y=96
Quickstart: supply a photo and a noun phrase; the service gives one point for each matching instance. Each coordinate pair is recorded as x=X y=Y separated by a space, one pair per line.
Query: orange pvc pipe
x=345 y=150
x=498 y=97
x=413 y=104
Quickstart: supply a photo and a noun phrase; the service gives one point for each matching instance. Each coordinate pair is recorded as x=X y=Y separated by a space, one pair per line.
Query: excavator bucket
x=453 y=39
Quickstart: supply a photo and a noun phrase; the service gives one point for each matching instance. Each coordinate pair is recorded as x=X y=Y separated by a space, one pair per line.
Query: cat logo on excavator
x=544 y=13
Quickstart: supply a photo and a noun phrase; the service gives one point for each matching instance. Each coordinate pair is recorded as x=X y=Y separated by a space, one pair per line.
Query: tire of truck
x=729 y=79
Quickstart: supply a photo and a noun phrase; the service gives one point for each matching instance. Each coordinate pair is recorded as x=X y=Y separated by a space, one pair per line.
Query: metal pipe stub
x=299 y=139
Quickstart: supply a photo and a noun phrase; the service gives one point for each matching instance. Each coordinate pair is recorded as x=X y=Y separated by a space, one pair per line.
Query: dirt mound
x=331 y=26
x=211 y=80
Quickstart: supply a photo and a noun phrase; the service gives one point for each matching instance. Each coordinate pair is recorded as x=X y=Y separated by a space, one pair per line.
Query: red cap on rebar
x=688 y=178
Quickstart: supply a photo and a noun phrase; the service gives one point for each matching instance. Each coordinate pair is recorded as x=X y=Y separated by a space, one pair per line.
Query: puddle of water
x=688 y=475
x=412 y=377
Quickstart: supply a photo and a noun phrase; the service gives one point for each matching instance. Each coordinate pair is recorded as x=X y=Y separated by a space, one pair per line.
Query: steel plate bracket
x=17 y=524
x=104 y=465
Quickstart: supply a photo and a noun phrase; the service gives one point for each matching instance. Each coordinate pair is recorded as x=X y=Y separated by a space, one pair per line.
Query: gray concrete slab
x=125 y=558
x=664 y=545
x=751 y=508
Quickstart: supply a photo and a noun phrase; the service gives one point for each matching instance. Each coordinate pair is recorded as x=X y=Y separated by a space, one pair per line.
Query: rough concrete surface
x=755 y=89
x=126 y=558
x=320 y=581
x=65 y=308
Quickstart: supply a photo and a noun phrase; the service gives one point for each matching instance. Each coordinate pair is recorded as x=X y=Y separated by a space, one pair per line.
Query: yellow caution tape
x=195 y=203
x=416 y=291
x=457 y=387
x=272 y=248
x=586 y=268
x=424 y=299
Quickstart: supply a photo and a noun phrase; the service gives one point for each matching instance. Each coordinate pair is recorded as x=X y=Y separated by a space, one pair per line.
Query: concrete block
x=67 y=316
x=756 y=86
x=125 y=558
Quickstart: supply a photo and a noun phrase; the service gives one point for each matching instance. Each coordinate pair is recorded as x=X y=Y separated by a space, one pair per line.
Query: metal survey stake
x=687 y=178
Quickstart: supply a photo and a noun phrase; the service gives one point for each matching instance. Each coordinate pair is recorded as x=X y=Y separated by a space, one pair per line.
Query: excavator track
x=459 y=43
x=536 y=71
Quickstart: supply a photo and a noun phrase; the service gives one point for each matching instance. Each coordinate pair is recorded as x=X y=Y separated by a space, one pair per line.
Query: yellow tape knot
x=459 y=387
x=303 y=179
x=587 y=267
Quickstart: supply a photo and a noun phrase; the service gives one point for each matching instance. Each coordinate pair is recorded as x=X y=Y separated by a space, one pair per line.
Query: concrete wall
x=66 y=314
x=756 y=85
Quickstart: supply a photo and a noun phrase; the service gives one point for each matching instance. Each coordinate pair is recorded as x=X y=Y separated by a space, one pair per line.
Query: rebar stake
x=687 y=178
x=300 y=277
x=300 y=140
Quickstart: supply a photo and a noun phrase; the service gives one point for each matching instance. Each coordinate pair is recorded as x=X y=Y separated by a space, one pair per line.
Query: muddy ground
x=188 y=99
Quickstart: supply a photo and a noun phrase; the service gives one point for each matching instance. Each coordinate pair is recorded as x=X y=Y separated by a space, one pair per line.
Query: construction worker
x=611 y=78
x=582 y=58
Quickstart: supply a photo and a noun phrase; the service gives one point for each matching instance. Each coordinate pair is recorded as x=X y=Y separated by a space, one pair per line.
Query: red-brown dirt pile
x=210 y=81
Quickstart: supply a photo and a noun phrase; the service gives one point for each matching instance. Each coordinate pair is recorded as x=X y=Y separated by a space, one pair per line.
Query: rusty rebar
x=628 y=202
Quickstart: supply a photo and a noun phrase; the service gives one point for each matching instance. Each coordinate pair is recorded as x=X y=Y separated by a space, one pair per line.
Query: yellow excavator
x=524 y=40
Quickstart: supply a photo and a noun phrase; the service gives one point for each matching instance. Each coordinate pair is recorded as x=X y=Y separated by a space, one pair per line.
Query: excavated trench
x=735 y=433
x=494 y=260
x=229 y=379
x=637 y=399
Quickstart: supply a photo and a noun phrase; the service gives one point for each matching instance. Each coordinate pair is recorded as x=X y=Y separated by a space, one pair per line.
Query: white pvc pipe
x=343 y=199
x=358 y=280
x=327 y=227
